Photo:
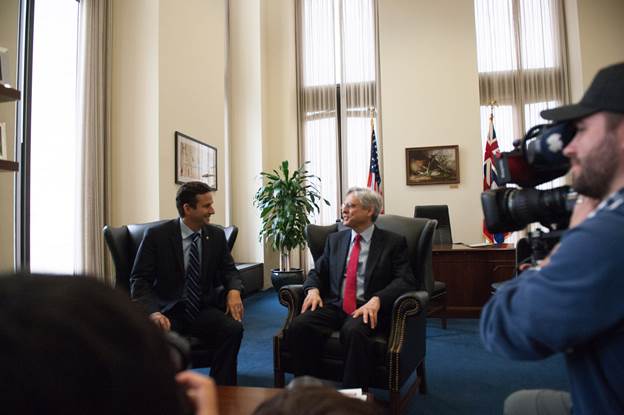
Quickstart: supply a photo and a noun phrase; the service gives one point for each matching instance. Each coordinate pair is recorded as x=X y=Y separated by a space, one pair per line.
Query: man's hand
x=161 y=320
x=200 y=390
x=369 y=312
x=312 y=300
x=234 y=305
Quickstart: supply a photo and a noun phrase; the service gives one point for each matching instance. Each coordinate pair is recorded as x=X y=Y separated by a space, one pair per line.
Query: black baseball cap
x=606 y=93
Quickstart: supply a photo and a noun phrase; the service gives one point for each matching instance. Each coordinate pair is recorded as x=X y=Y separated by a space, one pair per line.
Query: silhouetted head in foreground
x=315 y=400
x=71 y=345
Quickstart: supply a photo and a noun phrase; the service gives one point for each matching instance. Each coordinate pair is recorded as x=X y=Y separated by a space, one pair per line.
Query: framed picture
x=4 y=150
x=432 y=165
x=194 y=161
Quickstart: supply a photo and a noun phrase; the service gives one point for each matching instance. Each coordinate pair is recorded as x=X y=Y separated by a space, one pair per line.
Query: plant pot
x=281 y=278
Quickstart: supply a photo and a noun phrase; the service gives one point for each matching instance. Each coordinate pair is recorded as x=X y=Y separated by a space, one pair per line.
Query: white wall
x=601 y=32
x=168 y=70
x=246 y=120
x=134 y=112
x=279 y=97
x=191 y=79
x=430 y=96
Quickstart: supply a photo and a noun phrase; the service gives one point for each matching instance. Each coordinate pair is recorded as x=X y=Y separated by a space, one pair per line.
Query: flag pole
x=493 y=104
x=372 y=117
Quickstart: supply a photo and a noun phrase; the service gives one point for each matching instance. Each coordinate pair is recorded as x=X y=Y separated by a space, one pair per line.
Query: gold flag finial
x=372 y=116
x=493 y=104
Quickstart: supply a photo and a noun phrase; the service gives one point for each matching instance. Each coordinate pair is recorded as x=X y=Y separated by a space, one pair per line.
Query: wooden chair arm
x=291 y=296
x=406 y=342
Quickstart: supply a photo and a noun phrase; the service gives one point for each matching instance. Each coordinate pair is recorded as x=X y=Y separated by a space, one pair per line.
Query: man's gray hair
x=369 y=199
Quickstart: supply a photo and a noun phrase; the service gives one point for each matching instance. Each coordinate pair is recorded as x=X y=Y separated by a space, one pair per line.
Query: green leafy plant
x=285 y=202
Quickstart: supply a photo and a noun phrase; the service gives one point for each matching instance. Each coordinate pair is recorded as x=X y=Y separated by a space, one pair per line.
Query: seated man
x=352 y=289
x=177 y=270
x=573 y=303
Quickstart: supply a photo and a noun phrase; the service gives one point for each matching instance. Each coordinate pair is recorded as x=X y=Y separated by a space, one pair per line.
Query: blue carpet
x=463 y=378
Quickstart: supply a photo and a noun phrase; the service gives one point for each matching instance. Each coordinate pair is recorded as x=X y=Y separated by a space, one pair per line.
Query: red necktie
x=348 y=302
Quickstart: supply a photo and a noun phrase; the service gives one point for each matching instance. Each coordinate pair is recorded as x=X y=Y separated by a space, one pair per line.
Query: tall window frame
x=29 y=211
x=338 y=84
x=522 y=64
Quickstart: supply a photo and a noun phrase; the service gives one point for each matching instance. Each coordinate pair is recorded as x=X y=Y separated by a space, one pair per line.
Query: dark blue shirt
x=574 y=305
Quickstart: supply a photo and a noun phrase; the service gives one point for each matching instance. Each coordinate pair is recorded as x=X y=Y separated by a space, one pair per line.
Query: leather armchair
x=442 y=235
x=399 y=357
x=123 y=243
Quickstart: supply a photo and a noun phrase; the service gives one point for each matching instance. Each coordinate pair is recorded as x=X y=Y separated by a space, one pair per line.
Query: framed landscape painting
x=432 y=165
x=194 y=161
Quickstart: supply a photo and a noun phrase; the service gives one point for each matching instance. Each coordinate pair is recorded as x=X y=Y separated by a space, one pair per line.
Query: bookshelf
x=8 y=94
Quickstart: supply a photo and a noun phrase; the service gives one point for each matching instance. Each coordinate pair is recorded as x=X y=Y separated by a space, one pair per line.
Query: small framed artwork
x=432 y=165
x=4 y=150
x=194 y=161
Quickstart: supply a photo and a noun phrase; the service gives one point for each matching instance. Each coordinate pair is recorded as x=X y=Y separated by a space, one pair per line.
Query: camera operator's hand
x=584 y=206
x=201 y=391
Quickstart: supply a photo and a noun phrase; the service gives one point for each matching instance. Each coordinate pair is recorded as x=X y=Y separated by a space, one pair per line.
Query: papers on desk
x=481 y=245
x=353 y=393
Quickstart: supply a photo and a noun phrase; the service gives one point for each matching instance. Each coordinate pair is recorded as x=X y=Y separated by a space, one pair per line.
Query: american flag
x=489 y=176
x=374 y=177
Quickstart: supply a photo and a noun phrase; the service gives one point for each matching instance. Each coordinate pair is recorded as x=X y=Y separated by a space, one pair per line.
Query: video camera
x=537 y=158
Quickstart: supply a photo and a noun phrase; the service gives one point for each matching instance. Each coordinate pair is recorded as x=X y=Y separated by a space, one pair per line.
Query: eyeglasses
x=348 y=205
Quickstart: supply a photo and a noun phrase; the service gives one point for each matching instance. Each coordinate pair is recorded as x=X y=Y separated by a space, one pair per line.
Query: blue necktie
x=193 y=286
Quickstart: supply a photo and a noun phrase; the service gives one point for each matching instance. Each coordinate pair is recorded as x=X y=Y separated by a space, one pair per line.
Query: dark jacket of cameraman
x=573 y=305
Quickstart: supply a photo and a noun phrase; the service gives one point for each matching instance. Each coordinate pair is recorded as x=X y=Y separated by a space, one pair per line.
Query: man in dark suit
x=352 y=288
x=176 y=273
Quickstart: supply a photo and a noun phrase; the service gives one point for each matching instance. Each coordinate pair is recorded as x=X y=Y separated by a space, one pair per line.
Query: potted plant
x=285 y=202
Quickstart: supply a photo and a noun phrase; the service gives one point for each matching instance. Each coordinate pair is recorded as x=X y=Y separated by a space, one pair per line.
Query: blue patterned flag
x=374 y=177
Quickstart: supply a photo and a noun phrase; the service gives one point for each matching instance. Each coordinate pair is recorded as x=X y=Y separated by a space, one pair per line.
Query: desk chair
x=441 y=236
x=123 y=243
x=400 y=357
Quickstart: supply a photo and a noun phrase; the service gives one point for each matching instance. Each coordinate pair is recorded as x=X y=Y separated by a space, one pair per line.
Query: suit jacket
x=158 y=276
x=388 y=272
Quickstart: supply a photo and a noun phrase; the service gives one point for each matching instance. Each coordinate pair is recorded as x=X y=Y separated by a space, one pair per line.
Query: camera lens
x=510 y=209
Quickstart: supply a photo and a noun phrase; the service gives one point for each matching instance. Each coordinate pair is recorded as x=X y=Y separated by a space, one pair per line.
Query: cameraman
x=573 y=303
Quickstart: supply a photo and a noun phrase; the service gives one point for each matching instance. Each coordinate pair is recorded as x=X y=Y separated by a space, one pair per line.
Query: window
x=521 y=61
x=53 y=137
x=337 y=69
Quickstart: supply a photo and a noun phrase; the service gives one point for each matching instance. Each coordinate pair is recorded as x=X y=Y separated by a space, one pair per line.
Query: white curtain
x=522 y=63
x=92 y=129
x=337 y=67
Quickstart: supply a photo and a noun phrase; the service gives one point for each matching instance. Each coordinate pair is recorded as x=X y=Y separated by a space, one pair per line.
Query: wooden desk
x=242 y=400
x=469 y=273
